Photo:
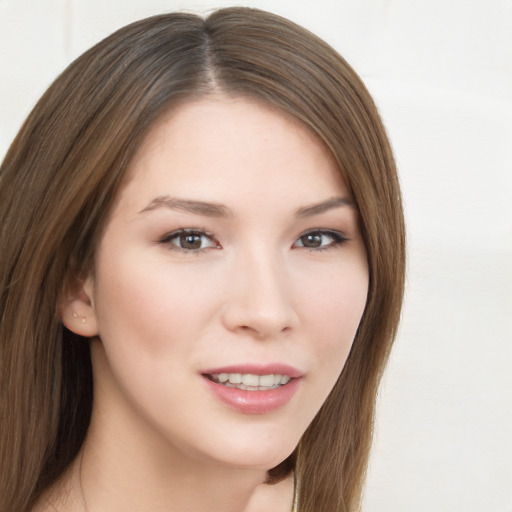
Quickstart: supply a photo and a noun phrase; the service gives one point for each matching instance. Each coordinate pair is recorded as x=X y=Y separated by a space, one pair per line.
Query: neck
x=115 y=473
x=110 y=481
x=108 y=478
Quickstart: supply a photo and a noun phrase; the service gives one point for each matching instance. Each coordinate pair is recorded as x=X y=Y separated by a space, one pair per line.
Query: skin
x=254 y=290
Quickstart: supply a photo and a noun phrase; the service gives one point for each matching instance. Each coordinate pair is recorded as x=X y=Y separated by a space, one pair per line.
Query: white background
x=441 y=73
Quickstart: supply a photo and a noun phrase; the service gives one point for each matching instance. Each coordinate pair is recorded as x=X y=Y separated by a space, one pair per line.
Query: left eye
x=320 y=239
x=189 y=240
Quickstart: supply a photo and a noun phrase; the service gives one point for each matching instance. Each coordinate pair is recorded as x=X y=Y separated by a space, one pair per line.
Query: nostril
x=264 y=331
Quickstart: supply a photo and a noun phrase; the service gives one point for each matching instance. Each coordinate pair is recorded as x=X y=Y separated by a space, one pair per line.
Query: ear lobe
x=76 y=307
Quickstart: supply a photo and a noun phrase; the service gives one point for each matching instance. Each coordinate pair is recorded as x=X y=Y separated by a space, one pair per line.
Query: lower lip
x=254 y=402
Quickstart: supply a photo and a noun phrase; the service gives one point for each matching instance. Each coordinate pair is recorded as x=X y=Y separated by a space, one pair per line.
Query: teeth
x=251 y=382
x=267 y=380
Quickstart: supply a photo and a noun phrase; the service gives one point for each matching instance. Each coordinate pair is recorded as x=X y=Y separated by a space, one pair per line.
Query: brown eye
x=189 y=240
x=320 y=240
x=311 y=240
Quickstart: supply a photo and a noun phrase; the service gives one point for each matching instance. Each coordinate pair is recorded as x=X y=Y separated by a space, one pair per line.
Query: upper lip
x=256 y=369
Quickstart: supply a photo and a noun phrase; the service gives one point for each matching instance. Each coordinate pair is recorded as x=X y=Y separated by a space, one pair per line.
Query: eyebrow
x=210 y=209
x=324 y=206
x=196 y=207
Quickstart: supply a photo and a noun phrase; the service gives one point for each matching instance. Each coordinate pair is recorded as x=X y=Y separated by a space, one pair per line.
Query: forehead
x=221 y=146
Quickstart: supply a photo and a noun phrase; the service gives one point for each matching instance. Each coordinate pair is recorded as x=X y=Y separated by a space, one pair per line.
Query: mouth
x=252 y=388
x=250 y=381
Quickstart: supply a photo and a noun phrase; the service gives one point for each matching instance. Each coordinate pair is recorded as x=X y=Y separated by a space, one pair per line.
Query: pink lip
x=255 y=402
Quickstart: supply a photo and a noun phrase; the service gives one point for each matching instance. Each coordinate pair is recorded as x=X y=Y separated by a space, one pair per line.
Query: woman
x=202 y=273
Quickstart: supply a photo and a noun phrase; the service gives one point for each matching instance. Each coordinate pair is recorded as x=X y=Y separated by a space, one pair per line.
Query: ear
x=76 y=307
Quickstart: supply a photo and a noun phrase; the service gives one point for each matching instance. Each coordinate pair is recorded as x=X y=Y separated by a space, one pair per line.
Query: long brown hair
x=57 y=185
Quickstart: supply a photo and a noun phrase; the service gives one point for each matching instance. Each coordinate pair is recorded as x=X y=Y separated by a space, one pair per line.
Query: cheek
x=152 y=318
x=334 y=313
x=151 y=308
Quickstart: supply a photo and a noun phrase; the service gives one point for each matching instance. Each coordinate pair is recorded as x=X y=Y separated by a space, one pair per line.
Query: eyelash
x=337 y=239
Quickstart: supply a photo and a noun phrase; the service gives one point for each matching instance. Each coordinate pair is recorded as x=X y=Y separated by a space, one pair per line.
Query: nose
x=260 y=299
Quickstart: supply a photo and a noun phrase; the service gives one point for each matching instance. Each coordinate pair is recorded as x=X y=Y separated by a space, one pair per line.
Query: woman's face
x=229 y=284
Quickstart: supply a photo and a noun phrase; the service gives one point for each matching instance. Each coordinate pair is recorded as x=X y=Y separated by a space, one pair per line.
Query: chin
x=256 y=453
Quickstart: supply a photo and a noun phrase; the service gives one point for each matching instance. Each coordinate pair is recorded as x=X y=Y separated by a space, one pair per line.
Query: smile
x=254 y=388
x=249 y=381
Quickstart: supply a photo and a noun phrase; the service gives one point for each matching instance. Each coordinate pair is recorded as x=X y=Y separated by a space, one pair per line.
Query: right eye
x=189 y=240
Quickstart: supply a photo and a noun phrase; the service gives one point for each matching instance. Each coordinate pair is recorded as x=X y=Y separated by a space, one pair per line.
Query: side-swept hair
x=57 y=185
